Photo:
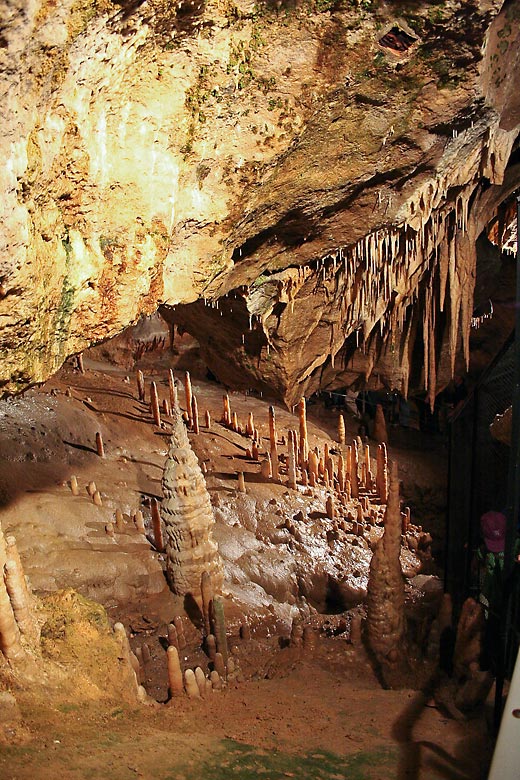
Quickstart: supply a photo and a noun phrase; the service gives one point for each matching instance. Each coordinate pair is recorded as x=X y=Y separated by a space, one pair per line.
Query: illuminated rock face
x=165 y=156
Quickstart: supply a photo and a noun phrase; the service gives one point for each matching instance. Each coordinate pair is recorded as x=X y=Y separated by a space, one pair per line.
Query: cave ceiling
x=300 y=185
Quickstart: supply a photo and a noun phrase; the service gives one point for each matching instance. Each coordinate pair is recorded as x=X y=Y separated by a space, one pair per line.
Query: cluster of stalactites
x=377 y=279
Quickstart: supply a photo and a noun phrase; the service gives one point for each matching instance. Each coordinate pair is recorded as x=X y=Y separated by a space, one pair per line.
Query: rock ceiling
x=300 y=185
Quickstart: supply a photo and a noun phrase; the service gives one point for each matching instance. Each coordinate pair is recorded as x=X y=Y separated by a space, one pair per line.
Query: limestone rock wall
x=167 y=154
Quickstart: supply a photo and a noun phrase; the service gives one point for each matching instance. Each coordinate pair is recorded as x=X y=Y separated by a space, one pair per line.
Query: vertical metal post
x=513 y=498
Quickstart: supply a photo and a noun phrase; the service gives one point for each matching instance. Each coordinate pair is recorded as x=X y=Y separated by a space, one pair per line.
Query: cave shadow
x=101 y=391
x=419 y=757
x=193 y=611
x=83 y=447
x=112 y=412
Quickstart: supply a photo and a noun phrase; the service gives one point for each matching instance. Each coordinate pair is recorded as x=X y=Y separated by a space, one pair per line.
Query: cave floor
x=290 y=712
x=308 y=723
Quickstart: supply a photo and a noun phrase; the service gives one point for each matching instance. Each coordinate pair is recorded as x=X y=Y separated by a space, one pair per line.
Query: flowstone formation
x=188 y=518
x=329 y=165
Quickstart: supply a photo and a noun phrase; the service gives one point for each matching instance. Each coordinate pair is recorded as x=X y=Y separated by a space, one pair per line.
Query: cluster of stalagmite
x=188 y=517
x=385 y=625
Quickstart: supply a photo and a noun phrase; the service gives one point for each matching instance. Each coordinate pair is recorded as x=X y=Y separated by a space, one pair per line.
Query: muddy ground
x=317 y=711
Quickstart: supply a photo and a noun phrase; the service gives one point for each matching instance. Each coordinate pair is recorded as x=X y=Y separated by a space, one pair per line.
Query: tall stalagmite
x=188 y=518
x=385 y=617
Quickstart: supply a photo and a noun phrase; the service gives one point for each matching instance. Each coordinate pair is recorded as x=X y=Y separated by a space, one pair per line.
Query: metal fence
x=480 y=480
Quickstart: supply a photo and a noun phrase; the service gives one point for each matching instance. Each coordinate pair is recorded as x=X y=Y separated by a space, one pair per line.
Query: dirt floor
x=308 y=711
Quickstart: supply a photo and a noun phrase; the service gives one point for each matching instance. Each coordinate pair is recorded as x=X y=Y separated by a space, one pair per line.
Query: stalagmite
x=179 y=626
x=220 y=666
x=216 y=682
x=140 y=385
x=386 y=627
x=211 y=646
x=234 y=422
x=354 y=479
x=341 y=429
x=139 y=522
x=207 y=416
x=154 y=403
x=207 y=593
x=380 y=435
x=99 y=445
x=190 y=682
x=188 y=518
x=126 y=652
x=226 y=416
x=382 y=473
x=74 y=487
x=291 y=460
x=219 y=627
x=166 y=407
x=254 y=451
x=109 y=529
x=250 y=425
x=91 y=488
x=194 y=415
x=265 y=467
x=96 y=498
x=274 y=447
x=156 y=525
x=200 y=679
x=241 y=482
x=188 y=397
x=175 y=680
x=120 y=521
x=341 y=473
x=80 y=363
x=303 y=453
x=173 y=639
x=329 y=508
x=313 y=465
x=10 y=643
x=21 y=605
